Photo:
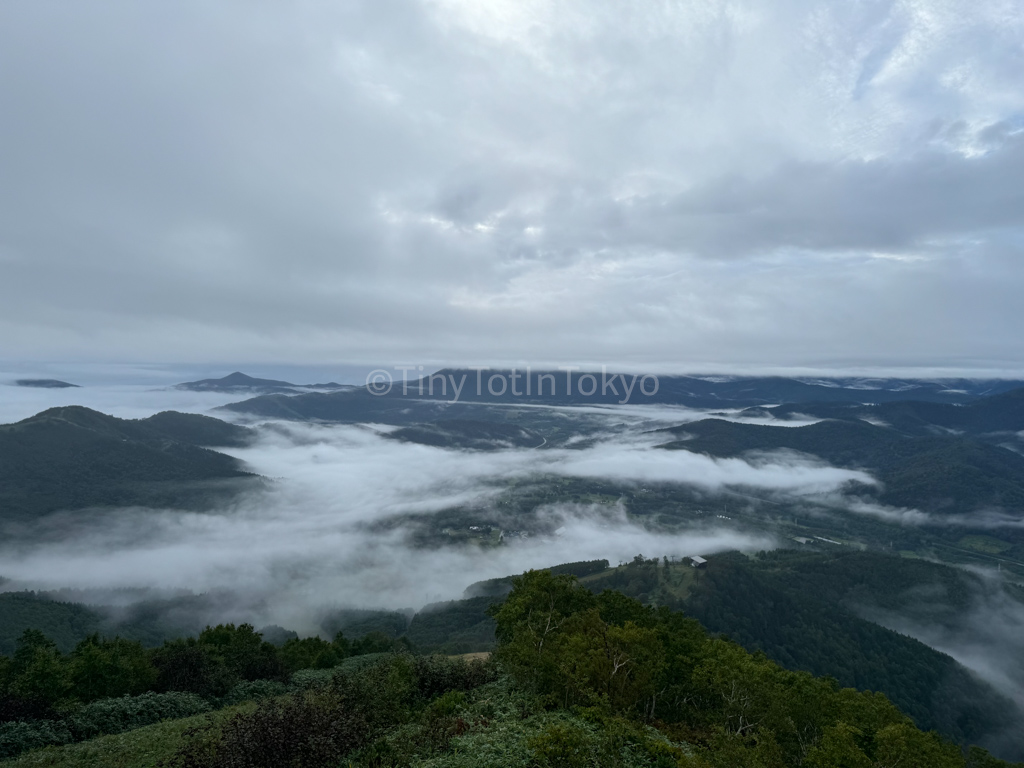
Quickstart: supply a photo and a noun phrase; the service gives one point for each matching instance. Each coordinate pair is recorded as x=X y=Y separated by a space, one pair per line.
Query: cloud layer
x=334 y=526
x=675 y=183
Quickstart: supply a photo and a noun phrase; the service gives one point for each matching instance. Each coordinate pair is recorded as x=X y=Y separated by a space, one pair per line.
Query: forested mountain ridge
x=999 y=413
x=428 y=395
x=946 y=473
x=800 y=608
x=240 y=383
x=73 y=457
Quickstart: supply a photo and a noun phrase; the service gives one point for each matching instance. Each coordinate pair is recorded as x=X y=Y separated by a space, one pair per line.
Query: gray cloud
x=678 y=184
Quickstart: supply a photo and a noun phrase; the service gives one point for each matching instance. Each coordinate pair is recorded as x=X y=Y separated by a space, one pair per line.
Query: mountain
x=996 y=414
x=240 y=383
x=431 y=397
x=74 y=457
x=932 y=473
x=44 y=383
x=801 y=609
x=63 y=622
x=797 y=608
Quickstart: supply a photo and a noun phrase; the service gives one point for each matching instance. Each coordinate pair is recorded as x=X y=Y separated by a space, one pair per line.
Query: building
x=697 y=561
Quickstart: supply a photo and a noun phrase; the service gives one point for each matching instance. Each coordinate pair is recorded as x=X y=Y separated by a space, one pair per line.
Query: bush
x=312 y=679
x=307 y=679
x=119 y=715
x=254 y=690
x=16 y=738
x=438 y=674
x=13 y=709
x=313 y=729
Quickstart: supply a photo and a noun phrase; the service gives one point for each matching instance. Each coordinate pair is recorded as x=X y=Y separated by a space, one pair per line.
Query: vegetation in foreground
x=577 y=680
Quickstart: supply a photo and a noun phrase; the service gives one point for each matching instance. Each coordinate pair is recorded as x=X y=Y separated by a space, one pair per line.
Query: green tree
x=38 y=671
x=187 y=665
x=529 y=626
x=310 y=653
x=107 y=668
x=243 y=651
x=838 y=748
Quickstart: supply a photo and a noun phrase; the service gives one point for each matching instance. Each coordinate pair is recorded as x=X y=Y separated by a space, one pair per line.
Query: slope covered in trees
x=577 y=679
x=73 y=457
x=947 y=473
x=798 y=608
x=1003 y=412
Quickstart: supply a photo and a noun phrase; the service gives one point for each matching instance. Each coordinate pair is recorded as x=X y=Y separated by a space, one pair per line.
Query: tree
x=108 y=668
x=187 y=665
x=38 y=671
x=243 y=651
x=310 y=653
x=529 y=626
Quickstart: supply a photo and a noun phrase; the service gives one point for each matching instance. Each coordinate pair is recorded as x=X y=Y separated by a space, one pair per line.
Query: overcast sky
x=673 y=185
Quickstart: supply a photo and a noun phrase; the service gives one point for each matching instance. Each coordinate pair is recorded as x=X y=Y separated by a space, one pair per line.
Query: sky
x=702 y=186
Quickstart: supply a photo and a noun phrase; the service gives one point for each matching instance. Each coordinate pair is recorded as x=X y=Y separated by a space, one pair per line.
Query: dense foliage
x=114 y=685
x=612 y=655
x=577 y=679
x=799 y=608
x=583 y=680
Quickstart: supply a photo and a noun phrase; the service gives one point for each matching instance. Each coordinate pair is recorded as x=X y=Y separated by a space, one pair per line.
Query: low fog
x=133 y=397
x=318 y=533
x=986 y=636
x=334 y=526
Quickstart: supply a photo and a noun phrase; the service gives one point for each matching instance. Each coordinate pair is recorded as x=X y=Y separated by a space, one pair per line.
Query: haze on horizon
x=712 y=186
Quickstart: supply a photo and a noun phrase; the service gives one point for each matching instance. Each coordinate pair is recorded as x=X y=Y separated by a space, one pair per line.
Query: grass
x=141 y=748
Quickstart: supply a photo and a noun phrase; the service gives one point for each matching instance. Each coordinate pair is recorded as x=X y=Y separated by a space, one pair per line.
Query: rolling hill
x=933 y=473
x=989 y=415
x=429 y=395
x=73 y=457
x=240 y=383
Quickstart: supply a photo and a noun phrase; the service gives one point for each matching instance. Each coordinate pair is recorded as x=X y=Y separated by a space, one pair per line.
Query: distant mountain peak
x=238 y=381
x=243 y=378
x=242 y=382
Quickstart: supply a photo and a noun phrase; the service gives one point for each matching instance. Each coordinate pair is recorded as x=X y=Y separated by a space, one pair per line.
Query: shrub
x=254 y=690
x=16 y=738
x=312 y=679
x=13 y=708
x=109 y=716
x=438 y=674
x=313 y=729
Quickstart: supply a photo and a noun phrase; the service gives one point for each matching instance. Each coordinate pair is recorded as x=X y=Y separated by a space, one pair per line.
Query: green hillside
x=576 y=680
x=73 y=457
x=932 y=473
x=1003 y=412
x=64 y=623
